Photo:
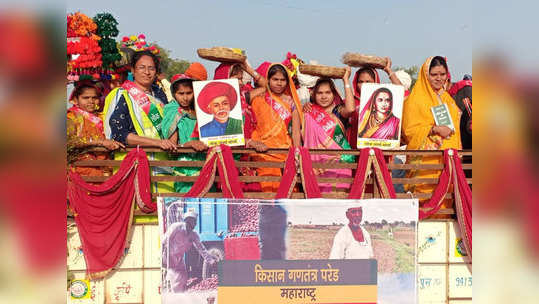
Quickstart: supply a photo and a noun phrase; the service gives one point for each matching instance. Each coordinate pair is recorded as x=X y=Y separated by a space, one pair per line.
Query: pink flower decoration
x=141 y=36
x=290 y=55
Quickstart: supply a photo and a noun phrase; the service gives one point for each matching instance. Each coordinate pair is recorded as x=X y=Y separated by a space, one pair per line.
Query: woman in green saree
x=180 y=124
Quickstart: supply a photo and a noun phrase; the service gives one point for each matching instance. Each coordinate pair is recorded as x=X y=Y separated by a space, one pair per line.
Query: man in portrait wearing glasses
x=352 y=241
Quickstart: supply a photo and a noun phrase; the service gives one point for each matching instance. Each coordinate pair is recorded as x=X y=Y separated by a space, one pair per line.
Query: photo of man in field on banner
x=383 y=230
x=218 y=109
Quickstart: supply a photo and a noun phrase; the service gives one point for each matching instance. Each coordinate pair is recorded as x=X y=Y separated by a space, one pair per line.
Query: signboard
x=288 y=251
x=311 y=281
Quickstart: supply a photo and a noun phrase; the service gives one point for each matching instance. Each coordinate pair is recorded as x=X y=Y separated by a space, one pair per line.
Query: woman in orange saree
x=275 y=111
x=419 y=129
x=85 y=131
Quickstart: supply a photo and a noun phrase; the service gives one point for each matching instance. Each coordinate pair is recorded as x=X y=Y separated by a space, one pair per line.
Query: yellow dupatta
x=418 y=119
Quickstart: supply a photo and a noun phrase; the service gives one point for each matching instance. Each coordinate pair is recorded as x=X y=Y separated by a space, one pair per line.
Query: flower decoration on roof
x=83 y=50
x=138 y=43
x=291 y=63
x=80 y=25
x=107 y=29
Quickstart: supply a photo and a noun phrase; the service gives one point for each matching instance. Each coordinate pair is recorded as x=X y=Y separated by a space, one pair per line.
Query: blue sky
x=407 y=31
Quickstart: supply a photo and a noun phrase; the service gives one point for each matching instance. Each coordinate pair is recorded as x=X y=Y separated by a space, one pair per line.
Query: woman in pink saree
x=325 y=128
x=377 y=119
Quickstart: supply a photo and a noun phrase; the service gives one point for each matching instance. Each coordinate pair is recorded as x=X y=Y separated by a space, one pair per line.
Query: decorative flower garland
x=291 y=63
x=85 y=52
x=138 y=43
x=80 y=25
x=106 y=29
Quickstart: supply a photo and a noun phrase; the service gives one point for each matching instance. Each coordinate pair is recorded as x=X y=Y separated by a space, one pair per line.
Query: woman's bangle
x=347 y=86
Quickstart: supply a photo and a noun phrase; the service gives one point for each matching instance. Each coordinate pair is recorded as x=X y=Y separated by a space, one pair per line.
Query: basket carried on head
x=322 y=70
x=360 y=60
x=221 y=54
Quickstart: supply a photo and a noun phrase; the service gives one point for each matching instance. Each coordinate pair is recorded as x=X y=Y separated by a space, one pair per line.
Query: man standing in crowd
x=177 y=241
x=352 y=241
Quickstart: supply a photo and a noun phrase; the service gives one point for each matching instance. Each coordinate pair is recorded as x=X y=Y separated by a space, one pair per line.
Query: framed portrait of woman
x=380 y=116
x=218 y=110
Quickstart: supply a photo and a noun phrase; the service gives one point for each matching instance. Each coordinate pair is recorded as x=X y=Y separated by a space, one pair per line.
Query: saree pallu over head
x=417 y=122
x=273 y=117
x=274 y=114
x=369 y=128
x=325 y=131
x=418 y=118
x=351 y=133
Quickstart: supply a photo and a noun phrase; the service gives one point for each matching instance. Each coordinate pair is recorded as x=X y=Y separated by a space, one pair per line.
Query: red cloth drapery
x=103 y=212
x=372 y=157
x=298 y=160
x=218 y=158
x=453 y=173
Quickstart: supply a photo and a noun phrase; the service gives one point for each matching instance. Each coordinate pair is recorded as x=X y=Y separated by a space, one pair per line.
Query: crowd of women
x=137 y=113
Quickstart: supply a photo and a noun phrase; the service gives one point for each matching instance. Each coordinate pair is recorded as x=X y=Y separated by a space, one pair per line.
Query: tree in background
x=171 y=66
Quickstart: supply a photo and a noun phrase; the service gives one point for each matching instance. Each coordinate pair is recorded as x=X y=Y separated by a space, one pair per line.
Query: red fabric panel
x=288 y=176
x=103 y=212
x=207 y=174
x=358 y=185
x=311 y=188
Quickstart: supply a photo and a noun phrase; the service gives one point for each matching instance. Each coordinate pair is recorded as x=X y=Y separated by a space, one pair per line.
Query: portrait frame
x=208 y=128
x=385 y=135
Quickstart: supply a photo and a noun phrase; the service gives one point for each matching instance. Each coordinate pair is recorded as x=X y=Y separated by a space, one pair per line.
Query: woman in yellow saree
x=419 y=129
x=275 y=112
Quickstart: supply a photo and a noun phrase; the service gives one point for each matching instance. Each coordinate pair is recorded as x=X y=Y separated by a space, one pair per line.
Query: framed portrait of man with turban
x=218 y=110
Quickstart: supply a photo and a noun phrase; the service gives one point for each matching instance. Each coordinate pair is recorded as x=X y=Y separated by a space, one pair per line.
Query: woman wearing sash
x=275 y=111
x=85 y=130
x=180 y=125
x=419 y=129
x=326 y=122
x=366 y=75
x=133 y=115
